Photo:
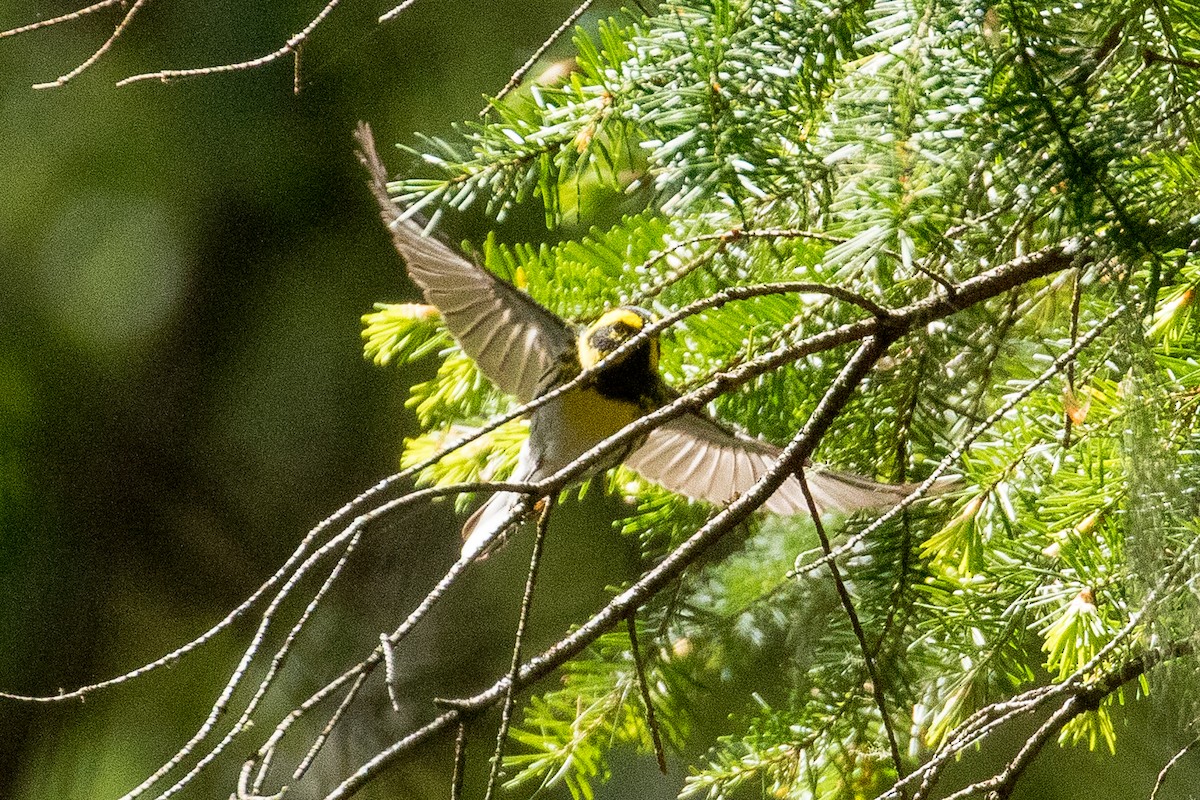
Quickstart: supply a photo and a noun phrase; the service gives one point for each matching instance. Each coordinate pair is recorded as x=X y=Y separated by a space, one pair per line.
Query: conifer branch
x=894 y=326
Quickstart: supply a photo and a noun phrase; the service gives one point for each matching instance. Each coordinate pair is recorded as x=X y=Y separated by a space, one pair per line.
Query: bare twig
x=349 y=539
x=877 y=692
x=296 y=68
x=1170 y=765
x=1068 y=418
x=62 y=80
x=660 y=754
x=970 y=732
x=523 y=70
x=1151 y=57
x=1080 y=697
x=361 y=500
x=397 y=11
x=510 y=696
x=723 y=240
x=292 y=45
x=1001 y=785
x=460 y=762
x=389 y=670
x=1076 y=696
x=359 y=672
x=71 y=17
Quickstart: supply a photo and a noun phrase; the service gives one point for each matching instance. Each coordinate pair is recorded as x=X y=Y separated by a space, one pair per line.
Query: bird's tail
x=484 y=525
x=484 y=528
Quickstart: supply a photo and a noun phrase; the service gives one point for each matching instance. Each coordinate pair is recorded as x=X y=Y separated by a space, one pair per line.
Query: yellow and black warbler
x=526 y=350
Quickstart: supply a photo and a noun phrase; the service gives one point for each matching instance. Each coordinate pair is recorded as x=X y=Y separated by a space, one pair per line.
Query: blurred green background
x=182 y=392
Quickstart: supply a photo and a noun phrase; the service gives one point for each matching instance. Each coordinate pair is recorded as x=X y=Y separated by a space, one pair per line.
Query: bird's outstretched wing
x=701 y=459
x=516 y=342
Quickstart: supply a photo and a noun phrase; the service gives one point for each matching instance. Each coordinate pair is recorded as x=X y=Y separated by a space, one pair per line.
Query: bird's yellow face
x=612 y=330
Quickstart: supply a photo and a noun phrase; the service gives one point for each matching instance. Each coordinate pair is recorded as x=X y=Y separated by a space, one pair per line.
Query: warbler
x=527 y=351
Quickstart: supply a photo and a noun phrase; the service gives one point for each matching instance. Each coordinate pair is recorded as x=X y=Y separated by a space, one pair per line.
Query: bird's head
x=612 y=330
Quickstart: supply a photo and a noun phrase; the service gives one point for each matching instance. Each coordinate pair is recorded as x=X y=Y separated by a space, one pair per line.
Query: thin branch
x=71 y=17
x=350 y=537
x=397 y=11
x=460 y=763
x=510 y=696
x=296 y=68
x=362 y=499
x=523 y=70
x=1079 y=694
x=301 y=769
x=660 y=753
x=1068 y=419
x=1080 y=698
x=723 y=240
x=1077 y=698
x=359 y=672
x=62 y=80
x=389 y=671
x=370 y=495
x=1000 y=786
x=1150 y=57
x=292 y=45
x=971 y=732
x=848 y=602
x=1170 y=765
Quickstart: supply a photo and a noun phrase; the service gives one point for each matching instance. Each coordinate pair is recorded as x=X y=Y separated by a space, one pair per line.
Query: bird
x=527 y=351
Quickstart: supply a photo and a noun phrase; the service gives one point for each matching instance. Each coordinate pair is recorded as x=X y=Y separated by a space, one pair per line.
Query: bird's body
x=527 y=351
x=567 y=426
x=560 y=431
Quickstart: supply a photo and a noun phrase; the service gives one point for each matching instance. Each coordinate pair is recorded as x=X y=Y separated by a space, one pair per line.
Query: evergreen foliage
x=889 y=148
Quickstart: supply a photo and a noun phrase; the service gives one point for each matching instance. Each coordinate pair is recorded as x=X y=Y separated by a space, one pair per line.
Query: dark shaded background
x=182 y=392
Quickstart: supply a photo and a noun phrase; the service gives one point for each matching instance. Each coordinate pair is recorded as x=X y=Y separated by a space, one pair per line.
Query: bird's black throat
x=631 y=379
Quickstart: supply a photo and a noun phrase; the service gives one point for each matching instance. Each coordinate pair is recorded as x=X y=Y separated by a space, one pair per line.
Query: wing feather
x=515 y=341
x=701 y=459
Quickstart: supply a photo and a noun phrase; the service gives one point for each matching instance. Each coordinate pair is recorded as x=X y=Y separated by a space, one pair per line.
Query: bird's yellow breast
x=576 y=422
x=594 y=417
